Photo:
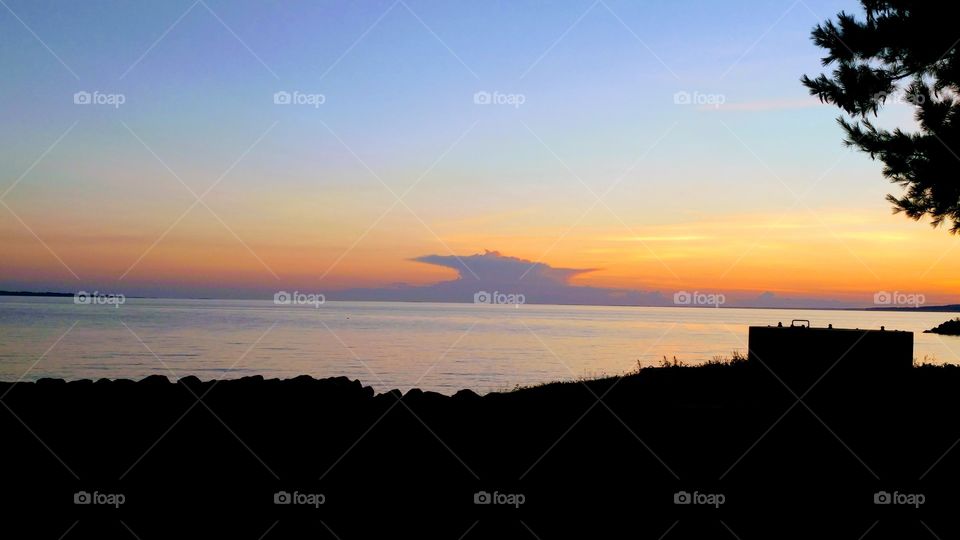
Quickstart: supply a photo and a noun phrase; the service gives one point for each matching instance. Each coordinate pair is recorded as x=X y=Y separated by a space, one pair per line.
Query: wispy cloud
x=765 y=105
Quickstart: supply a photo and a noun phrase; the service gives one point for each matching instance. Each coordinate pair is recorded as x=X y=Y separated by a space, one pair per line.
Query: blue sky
x=598 y=82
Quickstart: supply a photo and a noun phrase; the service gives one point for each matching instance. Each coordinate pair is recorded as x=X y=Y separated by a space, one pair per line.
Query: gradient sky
x=752 y=196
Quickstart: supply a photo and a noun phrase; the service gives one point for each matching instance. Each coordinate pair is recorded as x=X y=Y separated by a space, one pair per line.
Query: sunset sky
x=589 y=162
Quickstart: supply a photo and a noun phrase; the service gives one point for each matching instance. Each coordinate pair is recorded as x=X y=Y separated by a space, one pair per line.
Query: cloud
x=492 y=271
x=491 y=266
x=765 y=105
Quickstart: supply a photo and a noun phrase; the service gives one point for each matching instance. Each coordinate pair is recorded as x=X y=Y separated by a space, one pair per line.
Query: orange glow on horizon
x=839 y=254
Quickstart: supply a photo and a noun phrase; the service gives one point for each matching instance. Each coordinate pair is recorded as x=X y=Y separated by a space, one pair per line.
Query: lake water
x=440 y=347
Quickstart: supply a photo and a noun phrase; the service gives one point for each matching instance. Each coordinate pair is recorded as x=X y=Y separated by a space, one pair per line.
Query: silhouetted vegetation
x=901 y=49
x=949 y=328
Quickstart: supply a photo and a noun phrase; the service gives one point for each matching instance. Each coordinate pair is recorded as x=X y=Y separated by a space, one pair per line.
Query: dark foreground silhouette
x=949 y=328
x=722 y=451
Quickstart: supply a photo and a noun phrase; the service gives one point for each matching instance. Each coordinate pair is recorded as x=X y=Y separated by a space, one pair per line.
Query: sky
x=234 y=149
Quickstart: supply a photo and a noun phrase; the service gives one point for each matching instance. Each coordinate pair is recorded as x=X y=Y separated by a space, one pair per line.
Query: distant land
x=53 y=294
x=28 y=293
x=949 y=308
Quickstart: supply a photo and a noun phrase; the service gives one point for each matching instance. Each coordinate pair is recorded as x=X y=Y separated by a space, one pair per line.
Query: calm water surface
x=441 y=347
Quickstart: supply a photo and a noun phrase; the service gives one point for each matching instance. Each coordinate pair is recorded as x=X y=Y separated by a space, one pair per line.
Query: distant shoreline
x=947 y=308
x=28 y=293
x=53 y=294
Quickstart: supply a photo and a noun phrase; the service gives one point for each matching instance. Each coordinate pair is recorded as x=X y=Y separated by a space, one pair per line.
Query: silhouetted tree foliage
x=903 y=49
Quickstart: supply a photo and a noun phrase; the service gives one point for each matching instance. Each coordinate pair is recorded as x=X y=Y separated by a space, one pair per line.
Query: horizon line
x=58 y=294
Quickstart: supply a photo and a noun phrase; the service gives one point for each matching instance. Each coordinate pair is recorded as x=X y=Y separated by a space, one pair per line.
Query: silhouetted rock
x=190 y=381
x=154 y=380
x=466 y=394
